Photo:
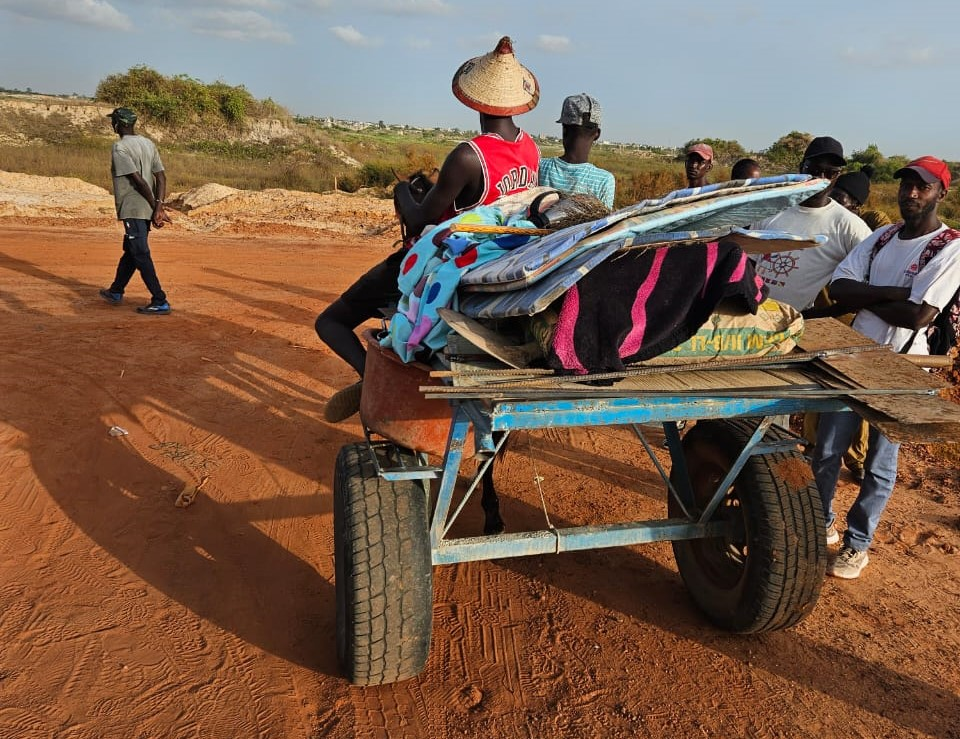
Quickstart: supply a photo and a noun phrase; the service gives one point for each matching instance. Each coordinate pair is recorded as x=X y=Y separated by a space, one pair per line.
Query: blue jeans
x=136 y=257
x=879 y=475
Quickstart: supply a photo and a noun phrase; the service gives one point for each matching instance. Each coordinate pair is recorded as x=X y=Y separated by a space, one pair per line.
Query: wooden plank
x=510 y=353
x=923 y=420
x=874 y=370
x=753 y=245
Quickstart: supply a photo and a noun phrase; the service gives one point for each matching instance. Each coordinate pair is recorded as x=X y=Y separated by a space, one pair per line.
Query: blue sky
x=664 y=72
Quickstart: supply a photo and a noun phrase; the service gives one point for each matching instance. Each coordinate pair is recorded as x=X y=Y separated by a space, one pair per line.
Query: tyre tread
x=383 y=572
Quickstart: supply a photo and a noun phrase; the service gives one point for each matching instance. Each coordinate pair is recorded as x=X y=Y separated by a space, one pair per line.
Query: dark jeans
x=136 y=257
x=363 y=300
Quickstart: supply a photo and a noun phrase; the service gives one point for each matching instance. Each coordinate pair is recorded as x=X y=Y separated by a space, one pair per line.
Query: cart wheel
x=767 y=573
x=384 y=576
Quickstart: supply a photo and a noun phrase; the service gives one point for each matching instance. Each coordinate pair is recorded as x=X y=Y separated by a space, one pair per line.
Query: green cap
x=124 y=116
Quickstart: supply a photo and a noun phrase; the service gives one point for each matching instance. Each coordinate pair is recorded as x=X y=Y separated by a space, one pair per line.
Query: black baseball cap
x=825 y=146
x=855 y=184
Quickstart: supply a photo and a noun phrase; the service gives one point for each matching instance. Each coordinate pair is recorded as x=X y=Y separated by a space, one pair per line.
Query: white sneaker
x=848 y=564
x=833 y=536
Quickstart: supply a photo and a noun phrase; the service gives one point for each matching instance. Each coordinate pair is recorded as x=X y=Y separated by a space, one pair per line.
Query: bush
x=787 y=151
x=179 y=100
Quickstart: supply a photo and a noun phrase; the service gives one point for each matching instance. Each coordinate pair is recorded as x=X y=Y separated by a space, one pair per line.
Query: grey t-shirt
x=133 y=153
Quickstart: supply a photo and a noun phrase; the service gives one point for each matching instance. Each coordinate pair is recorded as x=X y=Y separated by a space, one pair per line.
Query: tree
x=787 y=151
x=880 y=168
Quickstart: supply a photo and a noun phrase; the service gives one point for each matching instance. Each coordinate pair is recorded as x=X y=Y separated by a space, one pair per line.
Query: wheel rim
x=724 y=558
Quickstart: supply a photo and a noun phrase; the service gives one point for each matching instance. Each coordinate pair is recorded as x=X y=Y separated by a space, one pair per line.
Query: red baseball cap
x=929 y=169
x=704 y=150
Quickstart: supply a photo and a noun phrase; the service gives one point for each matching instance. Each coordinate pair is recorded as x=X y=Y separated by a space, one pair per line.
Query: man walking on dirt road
x=899 y=279
x=501 y=161
x=139 y=186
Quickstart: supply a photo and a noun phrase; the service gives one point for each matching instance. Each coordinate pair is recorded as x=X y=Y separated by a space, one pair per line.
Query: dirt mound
x=211 y=208
x=67 y=197
x=200 y=196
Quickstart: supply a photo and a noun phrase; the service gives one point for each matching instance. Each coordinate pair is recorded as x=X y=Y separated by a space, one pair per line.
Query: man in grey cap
x=571 y=172
x=139 y=186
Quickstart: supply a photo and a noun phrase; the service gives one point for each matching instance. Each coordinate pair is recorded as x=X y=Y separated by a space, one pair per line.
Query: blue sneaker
x=112 y=298
x=155 y=309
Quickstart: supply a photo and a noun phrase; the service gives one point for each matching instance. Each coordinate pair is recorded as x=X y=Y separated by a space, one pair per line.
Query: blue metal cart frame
x=370 y=655
x=515 y=415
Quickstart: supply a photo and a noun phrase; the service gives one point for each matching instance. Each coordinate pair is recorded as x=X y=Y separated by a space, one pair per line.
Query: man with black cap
x=139 y=186
x=571 y=172
x=795 y=277
x=851 y=190
x=501 y=161
x=898 y=281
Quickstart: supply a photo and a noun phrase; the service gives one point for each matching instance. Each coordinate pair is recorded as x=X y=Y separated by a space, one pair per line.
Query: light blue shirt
x=578 y=178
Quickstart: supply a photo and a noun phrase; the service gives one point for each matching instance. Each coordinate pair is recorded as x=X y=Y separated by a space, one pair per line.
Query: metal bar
x=475 y=548
x=735 y=469
x=423 y=473
x=456 y=439
x=812 y=390
x=476 y=481
x=553 y=413
x=678 y=465
x=402 y=471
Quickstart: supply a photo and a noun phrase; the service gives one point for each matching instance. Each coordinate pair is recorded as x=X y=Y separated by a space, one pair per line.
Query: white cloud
x=213 y=4
x=353 y=37
x=314 y=4
x=414 y=7
x=237 y=25
x=891 y=57
x=260 y=4
x=555 y=44
x=97 y=13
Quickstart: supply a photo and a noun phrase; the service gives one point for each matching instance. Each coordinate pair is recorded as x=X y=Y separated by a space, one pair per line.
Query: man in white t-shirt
x=896 y=297
x=795 y=277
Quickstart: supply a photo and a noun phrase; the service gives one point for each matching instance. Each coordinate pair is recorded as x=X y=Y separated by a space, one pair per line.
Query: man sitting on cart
x=501 y=161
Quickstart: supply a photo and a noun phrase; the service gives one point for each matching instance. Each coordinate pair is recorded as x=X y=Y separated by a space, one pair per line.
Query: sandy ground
x=123 y=615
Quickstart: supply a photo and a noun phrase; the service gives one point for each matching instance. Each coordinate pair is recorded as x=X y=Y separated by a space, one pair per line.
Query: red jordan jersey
x=508 y=167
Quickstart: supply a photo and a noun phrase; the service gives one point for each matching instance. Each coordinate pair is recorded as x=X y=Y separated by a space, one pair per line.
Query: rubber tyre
x=767 y=575
x=384 y=574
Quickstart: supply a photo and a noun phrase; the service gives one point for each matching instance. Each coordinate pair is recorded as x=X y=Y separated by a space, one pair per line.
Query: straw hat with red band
x=496 y=83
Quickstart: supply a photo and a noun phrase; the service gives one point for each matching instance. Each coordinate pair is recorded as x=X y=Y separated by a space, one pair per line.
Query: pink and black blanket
x=639 y=304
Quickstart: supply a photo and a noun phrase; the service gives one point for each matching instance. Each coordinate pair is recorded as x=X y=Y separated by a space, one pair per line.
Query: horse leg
x=489 y=501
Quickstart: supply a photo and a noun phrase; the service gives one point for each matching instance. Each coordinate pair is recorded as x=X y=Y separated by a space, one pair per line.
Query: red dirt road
x=122 y=615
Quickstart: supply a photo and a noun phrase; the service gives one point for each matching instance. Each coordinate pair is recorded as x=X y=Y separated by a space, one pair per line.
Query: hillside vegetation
x=215 y=132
